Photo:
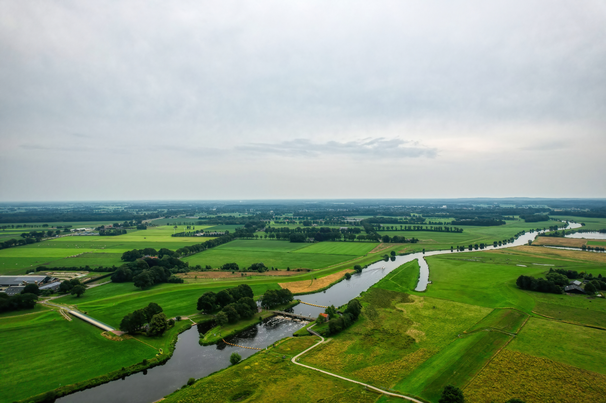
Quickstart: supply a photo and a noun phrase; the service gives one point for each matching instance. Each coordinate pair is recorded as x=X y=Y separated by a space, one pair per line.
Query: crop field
x=557 y=241
x=310 y=285
x=269 y=377
x=339 y=248
x=93 y=251
x=30 y=343
x=534 y=380
x=280 y=254
x=578 y=346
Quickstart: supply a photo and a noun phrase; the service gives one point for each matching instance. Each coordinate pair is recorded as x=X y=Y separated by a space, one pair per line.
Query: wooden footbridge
x=317 y=306
x=237 y=345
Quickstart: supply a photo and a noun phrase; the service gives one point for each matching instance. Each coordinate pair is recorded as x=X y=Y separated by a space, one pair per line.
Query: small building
x=14 y=290
x=50 y=286
x=576 y=282
x=574 y=289
x=325 y=316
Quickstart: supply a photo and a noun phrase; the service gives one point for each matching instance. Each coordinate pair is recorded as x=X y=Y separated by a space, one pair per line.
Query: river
x=190 y=360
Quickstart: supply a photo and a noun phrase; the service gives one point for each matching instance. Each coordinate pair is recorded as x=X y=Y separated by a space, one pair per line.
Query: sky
x=144 y=100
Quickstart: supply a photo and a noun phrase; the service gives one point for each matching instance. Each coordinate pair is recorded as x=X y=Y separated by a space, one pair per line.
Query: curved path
x=294 y=361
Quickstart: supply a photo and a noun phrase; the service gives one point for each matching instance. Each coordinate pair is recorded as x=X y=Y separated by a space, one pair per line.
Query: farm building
x=22 y=280
x=50 y=286
x=575 y=289
x=576 y=282
x=10 y=291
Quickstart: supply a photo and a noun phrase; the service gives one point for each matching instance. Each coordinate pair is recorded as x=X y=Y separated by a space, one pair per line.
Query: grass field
x=534 y=380
x=31 y=343
x=271 y=376
x=578 y=346
x=110 y=303
x=430 y=240
x=281 y=254
x=93 y=251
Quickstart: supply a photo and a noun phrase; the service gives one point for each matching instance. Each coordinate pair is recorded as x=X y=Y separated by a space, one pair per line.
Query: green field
x=93 y=251
x=578 y=346
x=31 y=343
x=431 y=240
x=281 y=254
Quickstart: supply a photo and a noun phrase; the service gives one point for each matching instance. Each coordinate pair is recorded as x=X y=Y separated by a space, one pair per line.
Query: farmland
x=469 y=326
x=93 y=251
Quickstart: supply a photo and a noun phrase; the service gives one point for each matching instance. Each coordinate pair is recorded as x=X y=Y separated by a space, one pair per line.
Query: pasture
x=431 y=240
x=281 y=254
x=93 y=251
x=30 y=343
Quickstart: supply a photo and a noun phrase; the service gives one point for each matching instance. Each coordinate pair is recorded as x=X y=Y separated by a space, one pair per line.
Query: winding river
x=190 y=360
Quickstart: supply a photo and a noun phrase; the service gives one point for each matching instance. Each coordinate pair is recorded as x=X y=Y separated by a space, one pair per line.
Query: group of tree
x=534 y=217
x=17 y=302
x=132 y=255
x=144 y=273
x=77 y=214
x=273 y=298
x=230 y=305
x=151 y=318
x=480 y=222
x=73 y=287
x=337 y=322
x=540 y=284
x=112 y=231
x=419 y=228
x=100 y=269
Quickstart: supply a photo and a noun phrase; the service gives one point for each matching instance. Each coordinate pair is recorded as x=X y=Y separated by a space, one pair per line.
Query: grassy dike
x=218 y=333
x=167 y=343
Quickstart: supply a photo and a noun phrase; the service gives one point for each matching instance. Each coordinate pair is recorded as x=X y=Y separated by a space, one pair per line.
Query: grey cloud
x=547 y=146
x=370 y=147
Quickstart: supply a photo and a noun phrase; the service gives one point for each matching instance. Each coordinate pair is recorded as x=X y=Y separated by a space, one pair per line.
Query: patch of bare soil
x=304 y=286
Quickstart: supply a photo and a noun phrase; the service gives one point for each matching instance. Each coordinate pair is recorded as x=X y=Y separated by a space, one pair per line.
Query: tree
x=231 y=312
x=158 y=324
x=31 y=289
x=222 y=319
x=224 y=298
x=321 y=319
x=151 y=310
x=78 y=290
x=590 y=288
x=358 y=268
x=235 y=358
x=452 y=394
x=143 y=280
x=65 y=287
x=354 y=308
x=207 y=302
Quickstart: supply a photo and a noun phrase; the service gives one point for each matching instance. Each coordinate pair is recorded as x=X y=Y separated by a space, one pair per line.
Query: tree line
x=338 y=322
x=230 y=304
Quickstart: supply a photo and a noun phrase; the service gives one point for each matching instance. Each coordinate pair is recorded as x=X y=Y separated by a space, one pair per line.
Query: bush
x=235 y=358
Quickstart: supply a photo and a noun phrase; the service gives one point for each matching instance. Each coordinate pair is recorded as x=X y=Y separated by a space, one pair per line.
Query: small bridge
x=92 y=321
x=317 y=306
x=293 y=315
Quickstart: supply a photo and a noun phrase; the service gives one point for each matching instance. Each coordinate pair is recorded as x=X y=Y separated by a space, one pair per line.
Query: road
x=294 y=361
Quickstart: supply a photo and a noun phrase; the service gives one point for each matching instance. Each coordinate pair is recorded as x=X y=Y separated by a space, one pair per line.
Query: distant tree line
x=419 y=228
x=540 y=284
x=112 y=231
x=135 y=254
x=535 y=217
x=60 y=215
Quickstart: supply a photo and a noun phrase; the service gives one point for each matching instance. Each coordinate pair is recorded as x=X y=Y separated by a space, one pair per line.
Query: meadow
x=430 y=240
x=30 y=343
x=270 y=376
x=92 y=251
x=281 y=254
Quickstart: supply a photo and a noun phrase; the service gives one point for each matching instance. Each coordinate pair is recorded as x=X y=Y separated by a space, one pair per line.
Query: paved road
x=294 y=361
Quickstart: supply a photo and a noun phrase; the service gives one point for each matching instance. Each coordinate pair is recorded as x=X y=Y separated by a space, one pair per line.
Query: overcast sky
x=301 y=99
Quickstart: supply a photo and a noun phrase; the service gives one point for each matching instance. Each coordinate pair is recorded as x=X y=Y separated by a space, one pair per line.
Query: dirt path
x=294 y=361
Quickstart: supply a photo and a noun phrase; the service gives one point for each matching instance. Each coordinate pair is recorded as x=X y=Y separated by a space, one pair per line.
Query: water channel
x=587 y=235
x=190 y=360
